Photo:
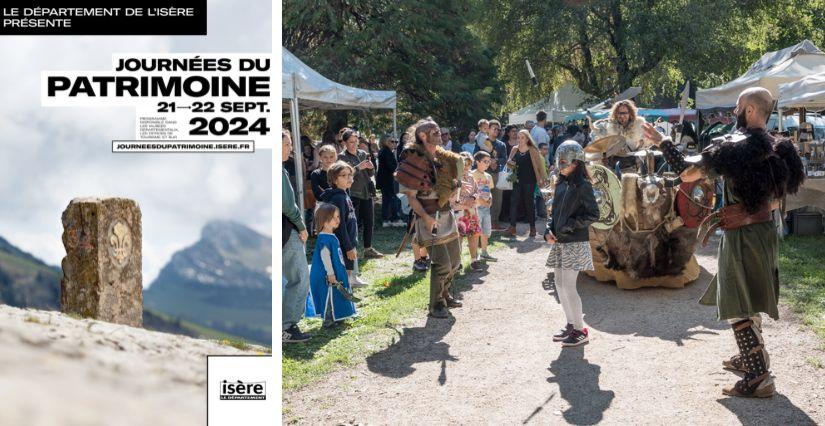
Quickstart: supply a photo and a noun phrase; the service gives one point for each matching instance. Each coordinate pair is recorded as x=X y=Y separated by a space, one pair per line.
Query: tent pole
x=779 y=121
x=297 y=155
x=395 y=123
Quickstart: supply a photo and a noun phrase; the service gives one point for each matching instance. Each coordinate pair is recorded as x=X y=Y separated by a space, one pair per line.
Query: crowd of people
x=456 y=191
x=498 y=185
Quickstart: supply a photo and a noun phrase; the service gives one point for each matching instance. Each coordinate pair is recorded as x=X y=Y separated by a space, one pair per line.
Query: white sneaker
x=399 y=223
x=356 y=282
x=387 y=224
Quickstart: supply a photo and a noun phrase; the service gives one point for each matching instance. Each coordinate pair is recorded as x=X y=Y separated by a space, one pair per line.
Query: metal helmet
x=569 y=150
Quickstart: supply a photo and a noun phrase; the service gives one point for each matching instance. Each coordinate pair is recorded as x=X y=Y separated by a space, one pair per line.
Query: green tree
x=423 y=50
x=606 y=46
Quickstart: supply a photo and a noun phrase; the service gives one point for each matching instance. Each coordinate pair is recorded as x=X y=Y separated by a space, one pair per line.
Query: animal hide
x=633 y=135
x=655 y=254
x=641 y=254
x=758 y=168
x=449 y=167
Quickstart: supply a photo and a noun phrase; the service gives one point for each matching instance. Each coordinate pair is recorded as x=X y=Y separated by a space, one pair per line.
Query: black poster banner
x=97 y=17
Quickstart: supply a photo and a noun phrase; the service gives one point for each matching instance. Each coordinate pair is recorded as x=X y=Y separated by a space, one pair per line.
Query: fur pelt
x=637 y=212
x=633 y=134
x=758 y=168
x=662 y=251
x=632 y=252
x=448 y=167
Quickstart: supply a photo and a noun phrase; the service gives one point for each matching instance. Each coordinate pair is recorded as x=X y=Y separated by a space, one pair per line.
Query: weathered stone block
x=102 y=276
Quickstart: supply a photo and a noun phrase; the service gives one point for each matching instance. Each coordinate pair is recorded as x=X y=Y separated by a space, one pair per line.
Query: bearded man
x=623 y=121
x=756 y=171
x=429 y=176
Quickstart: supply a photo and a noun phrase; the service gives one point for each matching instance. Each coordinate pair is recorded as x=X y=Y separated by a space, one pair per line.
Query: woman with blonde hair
x=529 y=170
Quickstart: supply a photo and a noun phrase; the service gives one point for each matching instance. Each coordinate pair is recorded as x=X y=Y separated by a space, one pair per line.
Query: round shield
x=694 y=201
x=607 y=190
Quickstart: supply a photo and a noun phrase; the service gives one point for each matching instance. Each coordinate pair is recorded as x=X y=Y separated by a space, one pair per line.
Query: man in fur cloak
x=429 y=176
x=624 y=121
x=756 y=171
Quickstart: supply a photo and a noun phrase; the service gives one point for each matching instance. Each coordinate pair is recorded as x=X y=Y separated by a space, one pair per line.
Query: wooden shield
x=608 y=190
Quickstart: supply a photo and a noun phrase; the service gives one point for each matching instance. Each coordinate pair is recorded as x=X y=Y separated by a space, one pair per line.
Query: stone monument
x=102 y=276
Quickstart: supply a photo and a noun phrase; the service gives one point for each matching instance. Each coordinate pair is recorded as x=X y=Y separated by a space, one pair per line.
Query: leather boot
x=440 y=311
x=756 y=382
x=532 y=231
x=451 y=301
x=511 y=231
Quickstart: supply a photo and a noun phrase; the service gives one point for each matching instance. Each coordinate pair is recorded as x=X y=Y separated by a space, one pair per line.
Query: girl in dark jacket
x=340 y=180
x=386 y=183
x=574 y=209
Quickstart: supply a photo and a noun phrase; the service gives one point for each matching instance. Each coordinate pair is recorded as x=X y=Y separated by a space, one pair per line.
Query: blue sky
x=50 y=155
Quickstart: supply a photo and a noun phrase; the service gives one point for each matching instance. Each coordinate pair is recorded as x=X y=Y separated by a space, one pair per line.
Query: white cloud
x=50 y=155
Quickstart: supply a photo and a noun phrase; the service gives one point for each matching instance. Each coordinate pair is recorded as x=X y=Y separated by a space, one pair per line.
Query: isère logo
x=238 y=390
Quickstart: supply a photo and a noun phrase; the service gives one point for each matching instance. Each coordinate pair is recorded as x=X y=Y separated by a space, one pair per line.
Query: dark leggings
x=522 y=195
x=390 y=204
x=365 y=211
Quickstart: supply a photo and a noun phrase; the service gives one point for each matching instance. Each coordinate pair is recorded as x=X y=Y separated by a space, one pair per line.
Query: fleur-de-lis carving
x=120 y=243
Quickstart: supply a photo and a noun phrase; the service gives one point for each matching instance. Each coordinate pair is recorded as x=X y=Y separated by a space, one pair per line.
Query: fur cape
x=633 y=134
x=759 y=168
x=448 y=167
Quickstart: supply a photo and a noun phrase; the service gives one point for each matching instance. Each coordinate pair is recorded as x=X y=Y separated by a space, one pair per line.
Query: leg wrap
x=752 y=354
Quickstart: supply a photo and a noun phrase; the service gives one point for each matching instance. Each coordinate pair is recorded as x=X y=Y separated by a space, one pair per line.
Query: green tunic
x=747 y=281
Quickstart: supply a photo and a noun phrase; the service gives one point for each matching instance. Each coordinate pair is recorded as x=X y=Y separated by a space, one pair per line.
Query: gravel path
x=654 y=358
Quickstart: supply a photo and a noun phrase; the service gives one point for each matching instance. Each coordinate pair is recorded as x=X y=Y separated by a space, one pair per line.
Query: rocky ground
x=58 y=370
x=654 y=358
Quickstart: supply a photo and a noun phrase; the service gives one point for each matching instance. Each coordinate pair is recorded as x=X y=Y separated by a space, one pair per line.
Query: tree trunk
x=336 y=120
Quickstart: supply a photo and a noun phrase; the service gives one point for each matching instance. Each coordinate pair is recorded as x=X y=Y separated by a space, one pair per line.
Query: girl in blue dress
x=328 y=268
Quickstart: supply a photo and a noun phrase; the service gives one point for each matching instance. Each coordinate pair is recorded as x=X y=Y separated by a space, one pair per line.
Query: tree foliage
x=606 y=46
x=423 y=50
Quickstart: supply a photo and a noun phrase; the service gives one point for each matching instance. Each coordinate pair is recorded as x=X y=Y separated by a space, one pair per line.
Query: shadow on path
x=669 y=314
x=415 y=345
x=779 y=409
x=578 y=382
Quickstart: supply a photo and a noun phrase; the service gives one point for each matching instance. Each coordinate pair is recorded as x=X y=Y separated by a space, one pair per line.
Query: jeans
x=485 y=220
x=365 y=211
x=296 y=273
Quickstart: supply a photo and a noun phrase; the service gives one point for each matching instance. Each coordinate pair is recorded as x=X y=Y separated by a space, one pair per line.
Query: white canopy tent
x=808 y=93
x=771 y=70
x=303 y=87
x=558 y=105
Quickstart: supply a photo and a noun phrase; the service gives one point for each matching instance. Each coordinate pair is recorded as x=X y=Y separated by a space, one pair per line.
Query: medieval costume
x=434 y=178
x=630 y=139
x=328 y=259
x=755 y=169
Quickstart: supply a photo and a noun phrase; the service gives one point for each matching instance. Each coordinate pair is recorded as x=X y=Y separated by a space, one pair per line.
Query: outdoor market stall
x=771 y=70
x=558 y=105
x=807 y=93
x=304 y=88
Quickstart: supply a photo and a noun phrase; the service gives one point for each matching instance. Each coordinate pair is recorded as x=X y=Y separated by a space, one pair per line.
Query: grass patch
x=34 y=320
x=802 y=274
x=395 y=296
x=814 y=362
x=236 y=343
